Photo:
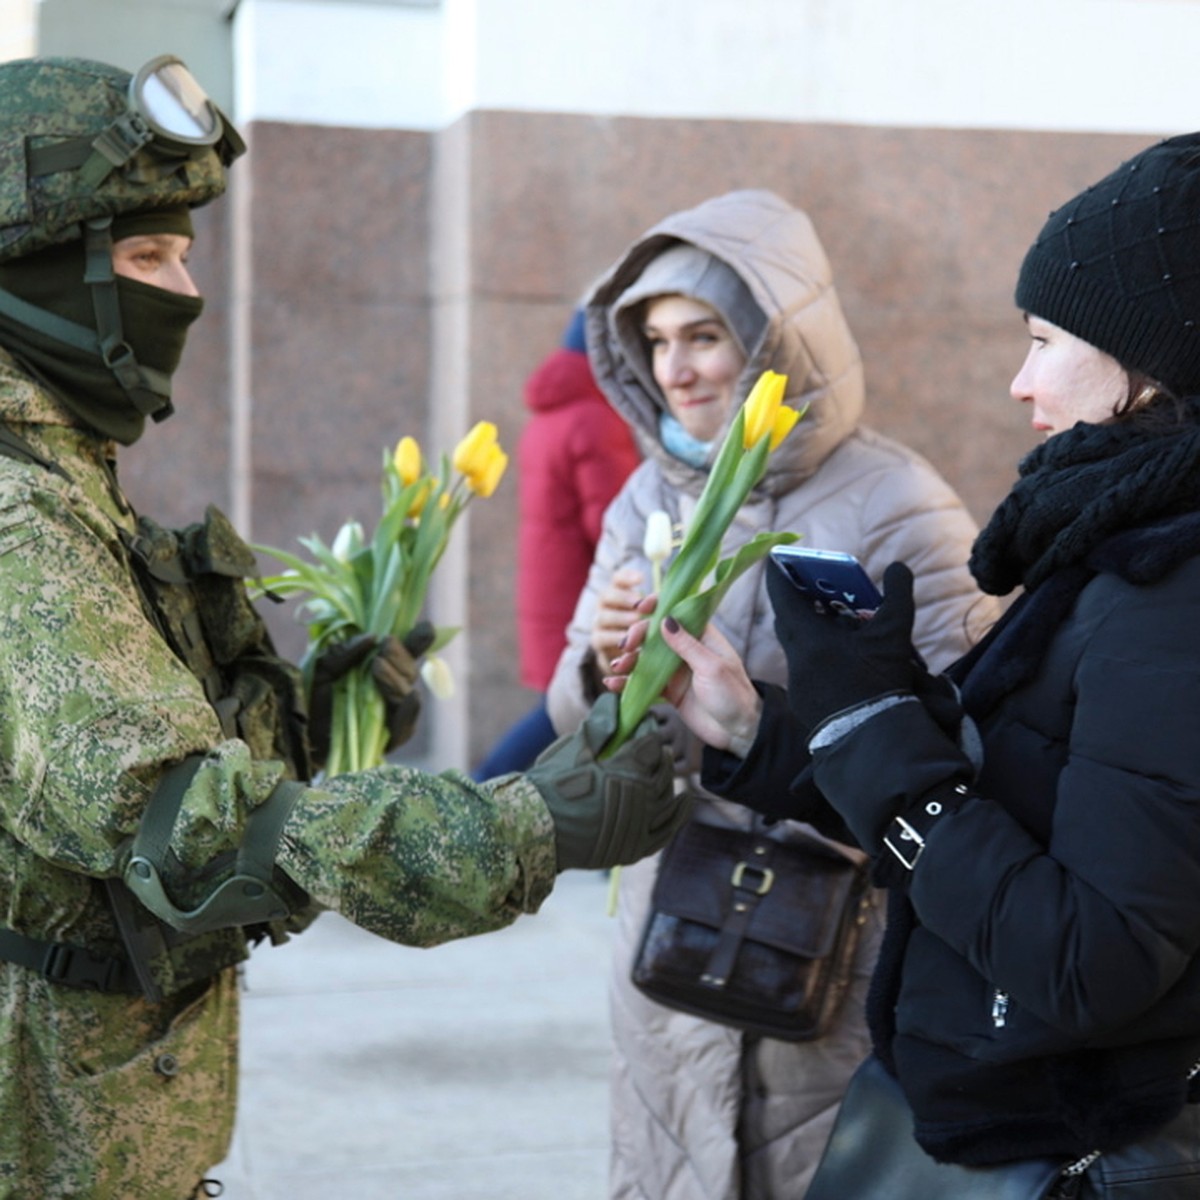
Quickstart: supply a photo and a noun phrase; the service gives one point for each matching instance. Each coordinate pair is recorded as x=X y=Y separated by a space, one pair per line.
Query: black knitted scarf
x=1082 y=486
x=1120 y=499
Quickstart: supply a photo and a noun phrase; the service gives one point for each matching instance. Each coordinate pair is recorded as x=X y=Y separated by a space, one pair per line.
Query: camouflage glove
x=611 y=812
x=394 y=670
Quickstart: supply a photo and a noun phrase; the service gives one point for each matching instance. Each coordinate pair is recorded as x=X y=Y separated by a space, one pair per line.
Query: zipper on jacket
x=999 y=1008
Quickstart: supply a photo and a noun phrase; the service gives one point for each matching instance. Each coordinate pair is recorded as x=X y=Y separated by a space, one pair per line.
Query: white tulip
x=349 y=540
x=657 y=546
x=439 y=679
x=657 y=542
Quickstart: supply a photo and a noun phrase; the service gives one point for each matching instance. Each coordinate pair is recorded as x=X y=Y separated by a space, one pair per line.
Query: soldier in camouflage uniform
x=154 y=814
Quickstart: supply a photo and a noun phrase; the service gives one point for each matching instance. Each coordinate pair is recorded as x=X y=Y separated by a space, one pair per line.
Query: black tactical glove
x=836 y=662
x=394 y=670
x=615 y=811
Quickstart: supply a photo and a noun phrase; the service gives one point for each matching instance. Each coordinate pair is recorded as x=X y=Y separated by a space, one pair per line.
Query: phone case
x=831 y=578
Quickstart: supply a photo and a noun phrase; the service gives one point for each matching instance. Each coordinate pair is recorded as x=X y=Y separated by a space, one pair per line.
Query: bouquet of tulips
x=695 y=581
x=378 y=585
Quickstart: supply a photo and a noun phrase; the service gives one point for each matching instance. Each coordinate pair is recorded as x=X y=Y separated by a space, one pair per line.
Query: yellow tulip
x=785 y=418
x=407 y=460
x=380 y=585
x=762 y=407
x=691 y=589
x=420 y=499
x=472 y=453
x=486 y=479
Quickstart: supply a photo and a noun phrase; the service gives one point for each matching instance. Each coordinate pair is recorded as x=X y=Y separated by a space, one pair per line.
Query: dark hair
x=1149 y=403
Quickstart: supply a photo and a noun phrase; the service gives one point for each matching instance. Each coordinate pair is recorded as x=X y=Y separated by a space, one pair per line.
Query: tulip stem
x=614 y=884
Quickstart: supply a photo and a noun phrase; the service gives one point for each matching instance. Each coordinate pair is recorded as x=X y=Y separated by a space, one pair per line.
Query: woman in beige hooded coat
x=699 y=1110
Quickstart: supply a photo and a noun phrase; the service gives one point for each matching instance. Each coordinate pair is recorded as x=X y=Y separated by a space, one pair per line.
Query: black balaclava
x=154 y=321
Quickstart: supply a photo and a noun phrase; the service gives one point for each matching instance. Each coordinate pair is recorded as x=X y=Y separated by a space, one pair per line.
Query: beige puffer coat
x=699 y=1111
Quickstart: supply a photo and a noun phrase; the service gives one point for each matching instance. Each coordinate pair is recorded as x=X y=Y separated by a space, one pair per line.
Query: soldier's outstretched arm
x=414 y=857
x=422 y=858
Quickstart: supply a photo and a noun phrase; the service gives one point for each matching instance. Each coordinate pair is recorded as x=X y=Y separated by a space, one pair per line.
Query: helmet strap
x=51 y=324
x=148 y=390
x=123 y=139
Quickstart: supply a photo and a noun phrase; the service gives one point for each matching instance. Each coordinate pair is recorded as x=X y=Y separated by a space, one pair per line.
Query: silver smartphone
x=834 y=581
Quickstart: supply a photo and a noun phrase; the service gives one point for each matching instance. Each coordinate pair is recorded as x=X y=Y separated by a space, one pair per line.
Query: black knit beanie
x=1119 y=265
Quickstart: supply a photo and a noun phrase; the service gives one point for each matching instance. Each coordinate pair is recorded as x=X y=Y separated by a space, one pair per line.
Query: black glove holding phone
x=837 y=661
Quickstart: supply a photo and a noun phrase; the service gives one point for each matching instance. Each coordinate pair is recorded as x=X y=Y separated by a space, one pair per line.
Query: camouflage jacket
x=108 y=1094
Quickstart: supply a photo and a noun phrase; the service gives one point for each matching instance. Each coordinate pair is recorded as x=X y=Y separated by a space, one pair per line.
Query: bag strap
x=72 y=966
x=751 y=879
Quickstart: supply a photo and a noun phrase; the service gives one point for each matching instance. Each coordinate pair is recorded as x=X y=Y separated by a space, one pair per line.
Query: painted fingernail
x=672 y=625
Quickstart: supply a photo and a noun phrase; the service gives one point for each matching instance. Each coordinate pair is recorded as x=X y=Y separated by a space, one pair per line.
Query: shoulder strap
x=14 y=446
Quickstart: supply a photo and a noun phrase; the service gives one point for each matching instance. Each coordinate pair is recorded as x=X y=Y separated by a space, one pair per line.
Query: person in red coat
x=574 y=454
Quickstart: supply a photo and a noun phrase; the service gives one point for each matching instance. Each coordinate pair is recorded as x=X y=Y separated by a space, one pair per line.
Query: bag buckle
x=766 y=878
x=907 y=854
x=75 y=967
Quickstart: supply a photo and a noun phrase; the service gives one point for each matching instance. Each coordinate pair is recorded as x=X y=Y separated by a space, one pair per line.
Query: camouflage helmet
x=81 y=140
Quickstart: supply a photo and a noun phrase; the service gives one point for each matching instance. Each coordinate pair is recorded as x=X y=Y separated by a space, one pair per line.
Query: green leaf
x=385 y=596
x=657 y=662
x=443 y=635
x=746 y=556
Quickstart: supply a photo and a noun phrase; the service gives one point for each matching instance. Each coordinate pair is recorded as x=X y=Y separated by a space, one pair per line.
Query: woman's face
x=158 y=259
x=696 y=362
x=1067 y=379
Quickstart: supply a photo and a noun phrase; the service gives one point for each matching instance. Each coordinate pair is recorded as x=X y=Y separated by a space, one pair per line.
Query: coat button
x=167 y=1065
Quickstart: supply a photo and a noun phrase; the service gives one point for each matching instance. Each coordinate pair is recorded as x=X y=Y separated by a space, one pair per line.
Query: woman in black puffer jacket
x=1038 y=993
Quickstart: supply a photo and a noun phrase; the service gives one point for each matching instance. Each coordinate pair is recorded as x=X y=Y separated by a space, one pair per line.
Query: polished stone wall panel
x=340 y=322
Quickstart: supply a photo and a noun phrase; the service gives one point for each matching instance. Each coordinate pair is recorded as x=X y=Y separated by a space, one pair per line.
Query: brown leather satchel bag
x=753 y=932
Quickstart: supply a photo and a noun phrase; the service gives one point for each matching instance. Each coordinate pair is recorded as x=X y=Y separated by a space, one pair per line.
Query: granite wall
x=400 y=282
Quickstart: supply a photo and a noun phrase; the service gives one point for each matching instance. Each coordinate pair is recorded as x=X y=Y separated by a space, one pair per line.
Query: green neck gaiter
x=154 y=321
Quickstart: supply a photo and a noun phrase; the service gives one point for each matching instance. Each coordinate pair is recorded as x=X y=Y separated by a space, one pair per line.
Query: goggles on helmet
x=175 y=108
x=169 y=114
x=168 y=117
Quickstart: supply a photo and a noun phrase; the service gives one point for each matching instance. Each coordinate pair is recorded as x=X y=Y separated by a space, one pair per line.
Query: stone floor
x=476 y=1069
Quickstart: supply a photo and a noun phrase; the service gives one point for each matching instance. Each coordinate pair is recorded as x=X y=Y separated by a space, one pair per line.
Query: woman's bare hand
x=711 y=690
x=616 y=611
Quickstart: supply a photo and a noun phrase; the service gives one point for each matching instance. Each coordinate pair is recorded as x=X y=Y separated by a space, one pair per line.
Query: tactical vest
x=192 y=587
